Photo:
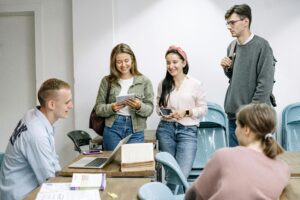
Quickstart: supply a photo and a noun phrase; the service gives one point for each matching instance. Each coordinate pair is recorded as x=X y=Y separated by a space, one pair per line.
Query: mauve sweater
x=240 y=173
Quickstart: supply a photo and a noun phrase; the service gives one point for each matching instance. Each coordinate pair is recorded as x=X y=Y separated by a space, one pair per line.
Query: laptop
x=96 y=162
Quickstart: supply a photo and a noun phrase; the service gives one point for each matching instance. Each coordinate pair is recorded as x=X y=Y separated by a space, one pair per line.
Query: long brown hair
x=261 y=119
x=168 y=83
x=121 y=48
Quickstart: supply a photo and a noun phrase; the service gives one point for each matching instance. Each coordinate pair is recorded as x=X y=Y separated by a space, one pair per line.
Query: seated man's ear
x=50 y=104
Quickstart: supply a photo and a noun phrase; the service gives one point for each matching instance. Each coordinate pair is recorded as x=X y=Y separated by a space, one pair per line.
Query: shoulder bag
x=97 y=123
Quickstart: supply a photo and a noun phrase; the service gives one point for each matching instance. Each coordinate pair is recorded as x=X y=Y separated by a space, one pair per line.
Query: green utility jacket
x=142 y=87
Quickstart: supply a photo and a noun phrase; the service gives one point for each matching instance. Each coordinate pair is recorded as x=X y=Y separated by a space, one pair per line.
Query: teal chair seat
x=157 y=191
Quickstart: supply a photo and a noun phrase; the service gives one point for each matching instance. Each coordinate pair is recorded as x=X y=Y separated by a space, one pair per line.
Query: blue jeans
x=121 y=128
x=180 y=141
x=232 y=137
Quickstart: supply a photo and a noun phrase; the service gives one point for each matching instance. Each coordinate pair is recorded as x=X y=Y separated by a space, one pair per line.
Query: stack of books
x=88 y=181
x=137 y=157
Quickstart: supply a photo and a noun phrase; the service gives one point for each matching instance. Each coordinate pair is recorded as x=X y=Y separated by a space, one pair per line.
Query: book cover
x=88 y=181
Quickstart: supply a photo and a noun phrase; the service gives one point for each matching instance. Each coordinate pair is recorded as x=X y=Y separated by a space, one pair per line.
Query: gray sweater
x=252 y=77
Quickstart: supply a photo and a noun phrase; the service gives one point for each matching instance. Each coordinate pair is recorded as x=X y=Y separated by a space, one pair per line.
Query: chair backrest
x=1 y=158
x=212 y=134
x=291 y=127
x=155 y=191
x=79 y=138
x=215 y=115
x=174 y=175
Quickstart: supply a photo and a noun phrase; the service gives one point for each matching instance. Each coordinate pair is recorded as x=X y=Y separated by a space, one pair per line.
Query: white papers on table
x=55 y=187
x=61 y=191
x=70 y=195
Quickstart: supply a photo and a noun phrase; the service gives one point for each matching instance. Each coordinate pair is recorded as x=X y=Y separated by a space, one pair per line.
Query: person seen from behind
x=249 y=171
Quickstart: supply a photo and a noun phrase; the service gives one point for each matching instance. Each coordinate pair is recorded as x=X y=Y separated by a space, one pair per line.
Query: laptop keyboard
x=96 y=162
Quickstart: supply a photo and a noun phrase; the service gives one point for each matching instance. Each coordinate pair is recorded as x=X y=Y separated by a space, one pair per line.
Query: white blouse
x=189 y=96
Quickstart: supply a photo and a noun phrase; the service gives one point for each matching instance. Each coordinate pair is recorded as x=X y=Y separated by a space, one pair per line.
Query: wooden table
x=125 y=188
x=292 y=191
x=150 y=136
x=292 y=158
x=113 y=169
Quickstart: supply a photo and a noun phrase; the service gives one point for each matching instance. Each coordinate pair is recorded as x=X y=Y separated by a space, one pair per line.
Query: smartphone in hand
x=165 y=111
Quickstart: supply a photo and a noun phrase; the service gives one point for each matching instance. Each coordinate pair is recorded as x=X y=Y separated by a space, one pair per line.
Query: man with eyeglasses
x=249 y=65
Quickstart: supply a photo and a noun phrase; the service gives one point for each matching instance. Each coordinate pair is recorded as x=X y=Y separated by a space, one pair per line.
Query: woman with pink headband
x=184 y=96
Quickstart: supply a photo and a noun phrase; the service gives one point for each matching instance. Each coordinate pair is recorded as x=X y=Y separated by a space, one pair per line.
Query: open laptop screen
x=96 y=162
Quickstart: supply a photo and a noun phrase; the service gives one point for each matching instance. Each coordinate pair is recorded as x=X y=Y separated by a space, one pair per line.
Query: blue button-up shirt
x=30 y=157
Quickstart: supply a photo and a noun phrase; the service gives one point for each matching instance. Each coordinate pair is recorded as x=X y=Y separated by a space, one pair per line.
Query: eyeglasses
x=232 y=22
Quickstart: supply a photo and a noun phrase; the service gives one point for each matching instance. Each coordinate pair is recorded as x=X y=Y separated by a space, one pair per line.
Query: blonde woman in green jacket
x=128 y=116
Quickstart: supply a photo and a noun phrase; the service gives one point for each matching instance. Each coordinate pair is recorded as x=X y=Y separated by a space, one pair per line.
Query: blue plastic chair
x=212 y=135
x=291 y=127
x=1 y=158
x=173 y=173
x=157 y=191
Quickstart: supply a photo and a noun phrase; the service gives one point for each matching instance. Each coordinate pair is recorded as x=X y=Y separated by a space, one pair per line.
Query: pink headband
x=179 y=50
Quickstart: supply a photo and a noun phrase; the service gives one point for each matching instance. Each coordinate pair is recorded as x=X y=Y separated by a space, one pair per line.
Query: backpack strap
x=232 y=50
x=108 y=90
x=229 y=70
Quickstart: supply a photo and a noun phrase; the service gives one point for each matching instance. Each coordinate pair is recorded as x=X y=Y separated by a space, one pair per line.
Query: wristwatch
x=187 y=112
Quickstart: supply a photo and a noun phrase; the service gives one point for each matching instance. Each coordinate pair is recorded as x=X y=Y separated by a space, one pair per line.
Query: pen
x=103 y=181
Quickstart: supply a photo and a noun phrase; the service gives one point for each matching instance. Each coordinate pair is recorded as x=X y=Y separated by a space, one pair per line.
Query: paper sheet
x=70 y=195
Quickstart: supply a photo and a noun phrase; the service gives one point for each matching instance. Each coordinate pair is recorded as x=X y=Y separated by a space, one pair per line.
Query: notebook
x=96 y=162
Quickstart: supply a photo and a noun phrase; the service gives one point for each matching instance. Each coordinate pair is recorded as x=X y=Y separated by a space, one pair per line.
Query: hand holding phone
x=165 y=111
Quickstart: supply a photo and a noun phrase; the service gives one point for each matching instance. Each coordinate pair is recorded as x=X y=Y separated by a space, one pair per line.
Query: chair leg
x=159 y=174
x=176 y=189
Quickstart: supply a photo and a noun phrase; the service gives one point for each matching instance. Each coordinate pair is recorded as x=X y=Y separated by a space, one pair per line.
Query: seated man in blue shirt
x=30 y=157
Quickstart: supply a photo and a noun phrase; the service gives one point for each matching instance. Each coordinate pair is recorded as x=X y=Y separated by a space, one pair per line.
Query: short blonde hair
x=49 y=88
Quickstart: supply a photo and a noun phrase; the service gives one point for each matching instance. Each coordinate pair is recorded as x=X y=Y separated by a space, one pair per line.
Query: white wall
x=150 y=26
x=53 y=57
x=16 y=41
x=58 y=62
